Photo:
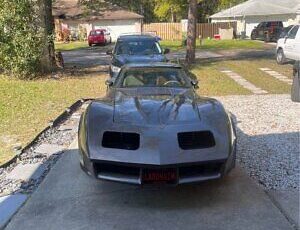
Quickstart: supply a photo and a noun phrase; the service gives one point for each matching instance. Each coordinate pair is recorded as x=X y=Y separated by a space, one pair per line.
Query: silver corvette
x=152 y=127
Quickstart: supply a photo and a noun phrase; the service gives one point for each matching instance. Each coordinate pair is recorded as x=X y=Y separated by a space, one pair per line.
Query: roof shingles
x=71 y=9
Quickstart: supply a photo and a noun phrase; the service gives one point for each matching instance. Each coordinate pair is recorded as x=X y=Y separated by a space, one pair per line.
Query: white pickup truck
x=288 y=48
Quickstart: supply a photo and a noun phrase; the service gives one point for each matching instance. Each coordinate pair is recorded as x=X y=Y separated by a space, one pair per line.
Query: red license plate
x=151 y=176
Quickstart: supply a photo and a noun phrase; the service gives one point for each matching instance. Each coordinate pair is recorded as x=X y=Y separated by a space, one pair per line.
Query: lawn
x=250 y=71
x=26 y=107
x=60 y=46
x=214 y=82
x=216 y=44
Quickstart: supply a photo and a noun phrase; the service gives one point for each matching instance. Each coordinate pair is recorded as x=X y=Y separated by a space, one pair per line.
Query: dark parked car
x=135 y=49
x=99 y=37
x=267 y=31
x=152 y=127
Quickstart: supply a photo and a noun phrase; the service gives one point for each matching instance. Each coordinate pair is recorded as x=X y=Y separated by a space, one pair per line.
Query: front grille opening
x=116 y=169
x=200 y=170
x=118 y=140
x=196 y=140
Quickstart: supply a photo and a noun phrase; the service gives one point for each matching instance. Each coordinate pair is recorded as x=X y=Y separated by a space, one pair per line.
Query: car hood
x=126 y=59
x=155 y=106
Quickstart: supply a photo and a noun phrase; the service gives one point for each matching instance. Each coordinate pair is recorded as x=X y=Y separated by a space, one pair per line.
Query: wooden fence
x=173 y=31
x=210 y=29
x=167 y=31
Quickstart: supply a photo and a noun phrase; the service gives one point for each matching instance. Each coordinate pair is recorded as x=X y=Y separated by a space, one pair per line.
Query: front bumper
x=133 y=173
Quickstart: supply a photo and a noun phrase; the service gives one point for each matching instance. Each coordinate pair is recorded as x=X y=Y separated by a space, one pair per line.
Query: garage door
x=118 y=27
x=249 y=28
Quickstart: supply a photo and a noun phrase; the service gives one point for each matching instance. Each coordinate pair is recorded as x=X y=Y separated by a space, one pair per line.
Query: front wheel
x=280 y=57
x=253 y=37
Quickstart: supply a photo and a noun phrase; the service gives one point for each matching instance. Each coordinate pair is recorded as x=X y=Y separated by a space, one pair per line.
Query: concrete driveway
x=69 y=199
x=96 y=56
x=88 y=57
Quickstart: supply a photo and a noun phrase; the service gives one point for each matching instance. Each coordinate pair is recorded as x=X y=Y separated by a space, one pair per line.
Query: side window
x=293 y=32
x=260 y=25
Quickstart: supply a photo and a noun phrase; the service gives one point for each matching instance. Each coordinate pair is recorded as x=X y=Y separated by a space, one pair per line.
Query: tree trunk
x=47 y=23
x=191 y=33
x=173 y=15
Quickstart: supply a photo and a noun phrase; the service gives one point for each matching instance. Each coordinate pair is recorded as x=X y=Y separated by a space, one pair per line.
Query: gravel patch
x=54 y=136
x=268 y=138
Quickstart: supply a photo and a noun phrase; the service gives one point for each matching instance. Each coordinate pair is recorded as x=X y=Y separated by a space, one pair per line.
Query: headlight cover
x=115 y=69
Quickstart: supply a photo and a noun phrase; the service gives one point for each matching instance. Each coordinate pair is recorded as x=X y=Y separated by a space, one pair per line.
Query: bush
x=20 y=38
x=66 y=35
x=82 y=33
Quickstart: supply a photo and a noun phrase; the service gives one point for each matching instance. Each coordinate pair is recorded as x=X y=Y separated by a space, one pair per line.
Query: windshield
x=153 y=77
x=138 y=47
x=97 y=32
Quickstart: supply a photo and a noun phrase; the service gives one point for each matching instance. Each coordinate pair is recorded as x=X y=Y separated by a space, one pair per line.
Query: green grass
x=213 y=82
x=286 y=70
x=26 y=107
x=250 y=71
x=59 y=46
x=216 y=44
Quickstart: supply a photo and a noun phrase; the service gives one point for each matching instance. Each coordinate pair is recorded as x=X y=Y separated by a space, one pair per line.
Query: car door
x=261 y=30
x=290 y=43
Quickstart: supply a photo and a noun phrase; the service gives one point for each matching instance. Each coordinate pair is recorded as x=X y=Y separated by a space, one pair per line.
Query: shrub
x=66 y=35
x=20 y=38
x=82 y=33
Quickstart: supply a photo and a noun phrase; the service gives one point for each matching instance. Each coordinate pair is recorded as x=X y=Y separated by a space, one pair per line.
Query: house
x=72 y=16
x=250 y=13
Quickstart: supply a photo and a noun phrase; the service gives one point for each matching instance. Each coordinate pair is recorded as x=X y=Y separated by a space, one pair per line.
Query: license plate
x=151 y=176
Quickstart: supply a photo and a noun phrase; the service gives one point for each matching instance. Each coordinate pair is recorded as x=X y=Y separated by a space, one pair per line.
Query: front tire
x=253 y=37
x=280 y=57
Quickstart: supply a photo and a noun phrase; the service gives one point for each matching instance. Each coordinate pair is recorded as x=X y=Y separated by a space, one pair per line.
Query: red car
x=99 y=36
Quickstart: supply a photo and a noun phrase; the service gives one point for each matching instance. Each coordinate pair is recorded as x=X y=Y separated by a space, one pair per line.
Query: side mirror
x=109 y=52
x=195 y=84
x=109 y=82
x=166 y=51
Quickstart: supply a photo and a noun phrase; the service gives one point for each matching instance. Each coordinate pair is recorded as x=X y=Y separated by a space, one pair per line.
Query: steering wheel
x=173 y=82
